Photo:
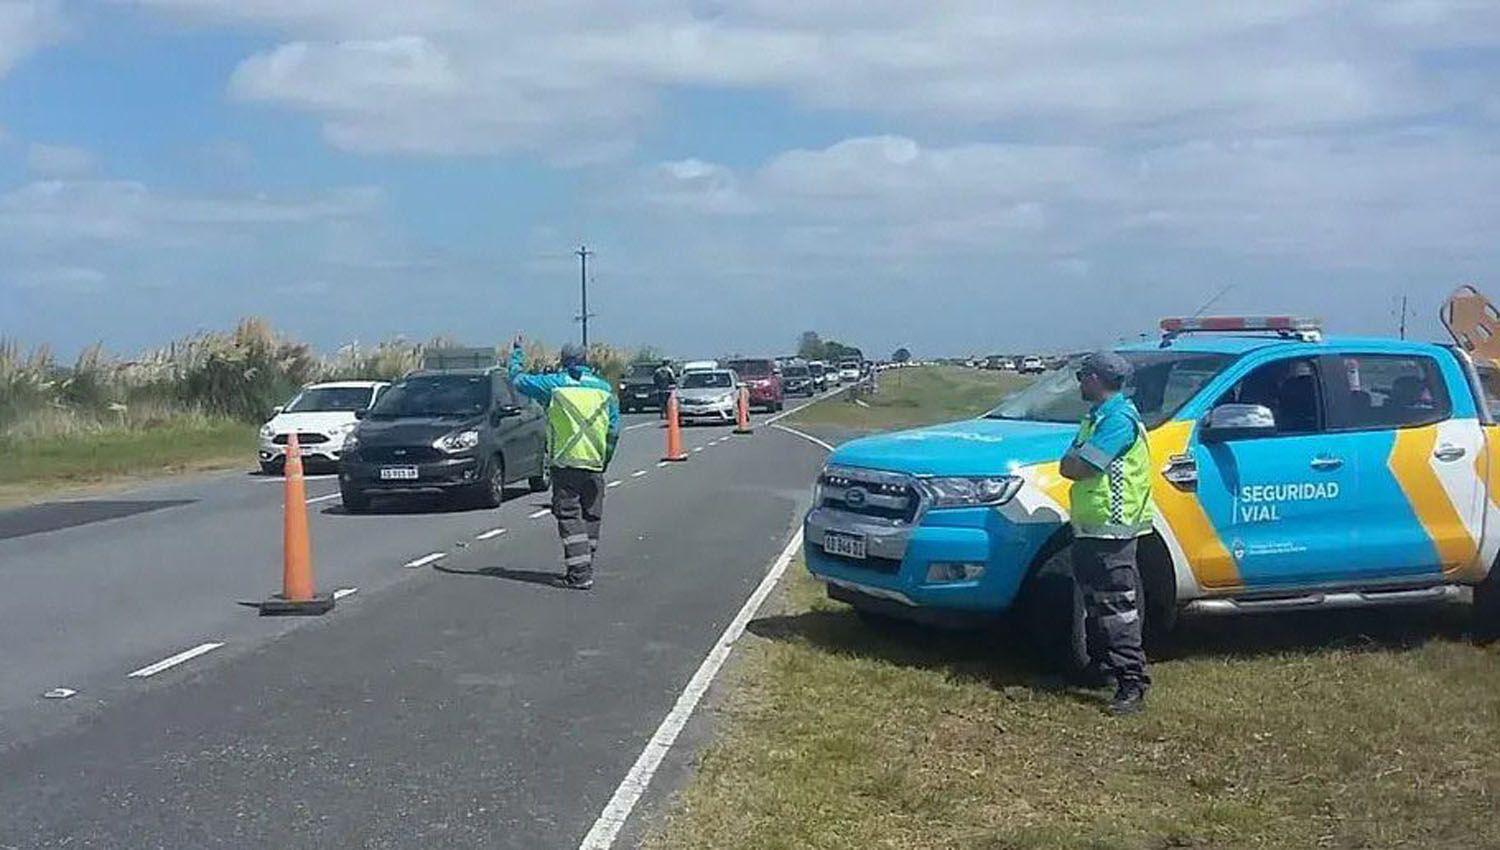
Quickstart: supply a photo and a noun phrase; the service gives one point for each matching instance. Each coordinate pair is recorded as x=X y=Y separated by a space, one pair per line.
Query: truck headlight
x=458 y=441
x=970 y=492
x=351 y=442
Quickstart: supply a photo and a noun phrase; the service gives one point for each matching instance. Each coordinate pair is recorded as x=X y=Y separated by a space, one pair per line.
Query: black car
x=638 y=389
x=796 y=379
x=460 y=432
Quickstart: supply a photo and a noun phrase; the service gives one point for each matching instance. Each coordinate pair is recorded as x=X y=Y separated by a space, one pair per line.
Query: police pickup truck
x=1293 y=472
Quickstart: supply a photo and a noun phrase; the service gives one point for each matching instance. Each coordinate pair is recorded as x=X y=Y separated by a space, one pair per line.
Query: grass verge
x=912 y=397
x=33 y=468
x=1348 y=729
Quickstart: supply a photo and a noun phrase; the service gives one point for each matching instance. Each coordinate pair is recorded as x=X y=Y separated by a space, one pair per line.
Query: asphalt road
x=464 y=702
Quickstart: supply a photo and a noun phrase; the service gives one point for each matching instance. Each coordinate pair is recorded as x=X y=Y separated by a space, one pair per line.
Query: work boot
x=577 y=581
x=1130 y=698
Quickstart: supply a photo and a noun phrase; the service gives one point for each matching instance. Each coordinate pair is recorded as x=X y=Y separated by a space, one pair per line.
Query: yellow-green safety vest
x=1116 y=503
x=578 y=427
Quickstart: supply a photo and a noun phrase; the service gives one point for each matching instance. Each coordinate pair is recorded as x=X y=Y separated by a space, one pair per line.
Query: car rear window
x=699 y=380
x=752 y=368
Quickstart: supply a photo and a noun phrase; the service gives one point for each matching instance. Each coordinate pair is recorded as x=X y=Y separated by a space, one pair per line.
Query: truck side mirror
x=1238 y=422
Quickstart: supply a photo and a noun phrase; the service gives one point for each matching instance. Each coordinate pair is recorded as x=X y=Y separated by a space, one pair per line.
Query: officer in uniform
x=583 y=428
x=1109 y=464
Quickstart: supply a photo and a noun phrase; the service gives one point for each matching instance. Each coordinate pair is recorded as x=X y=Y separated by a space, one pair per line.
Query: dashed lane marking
x=425 y=560
x=613 y=484
x=345 y=591
x=662 y=463
x=604 y=831
x=166 y=663
x=638 y=473
x=323 y=498
x=277 y=479
x=539 y=514
x=697 y=449
x=490 y=535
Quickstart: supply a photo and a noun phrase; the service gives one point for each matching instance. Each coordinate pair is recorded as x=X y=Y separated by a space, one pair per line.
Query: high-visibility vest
x=1115 y=504
x=578 y=427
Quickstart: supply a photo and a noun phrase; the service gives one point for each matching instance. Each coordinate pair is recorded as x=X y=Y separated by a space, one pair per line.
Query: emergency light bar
x=1301 y=327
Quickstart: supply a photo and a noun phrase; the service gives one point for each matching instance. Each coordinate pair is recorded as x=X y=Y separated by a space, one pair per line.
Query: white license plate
x=642 y=395
x=845 y=545
x=398 y=473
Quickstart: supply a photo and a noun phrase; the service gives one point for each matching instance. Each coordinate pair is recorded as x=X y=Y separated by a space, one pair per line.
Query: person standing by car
x=664 y=380
x=583 y=429
x=1109 y=464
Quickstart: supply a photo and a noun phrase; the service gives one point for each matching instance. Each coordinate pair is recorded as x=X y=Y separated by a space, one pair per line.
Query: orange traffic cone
x=297 y=594
x=674 y=430
x=742 y=415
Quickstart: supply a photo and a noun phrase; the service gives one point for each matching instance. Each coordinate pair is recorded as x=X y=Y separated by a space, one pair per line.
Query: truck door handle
x=1449 y=453
x=1327 y=462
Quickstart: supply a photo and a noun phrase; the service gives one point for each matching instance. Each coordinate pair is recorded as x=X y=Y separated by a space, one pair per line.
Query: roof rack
x=1303 y=328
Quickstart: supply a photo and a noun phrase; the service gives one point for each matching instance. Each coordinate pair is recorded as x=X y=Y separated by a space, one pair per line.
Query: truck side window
x=1489 y=383
x=1289 y=388
x=1384 y=391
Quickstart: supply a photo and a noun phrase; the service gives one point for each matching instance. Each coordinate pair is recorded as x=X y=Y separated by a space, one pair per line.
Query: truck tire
x=1486 y=613
x=490 y=493
x=355 y=500
x=1053 y=618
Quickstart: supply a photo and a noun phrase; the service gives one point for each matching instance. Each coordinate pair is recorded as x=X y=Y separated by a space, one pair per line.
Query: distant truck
x=1293 y=472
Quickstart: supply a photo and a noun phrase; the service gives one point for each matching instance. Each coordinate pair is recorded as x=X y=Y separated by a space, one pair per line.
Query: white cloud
x=26 y=26
x=58 y=160
x=578 y=79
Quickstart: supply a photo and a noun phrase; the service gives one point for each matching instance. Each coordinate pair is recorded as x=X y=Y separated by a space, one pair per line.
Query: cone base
x=746 y=430
x=675 y=459
x=280 y=606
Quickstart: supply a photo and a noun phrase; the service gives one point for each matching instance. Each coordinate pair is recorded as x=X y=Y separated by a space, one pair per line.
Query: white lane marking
x=425 y=560
x=345 y=591
x=186 y=655
x=638 y=473
x=604 y=831
x=697 y=448
x=808 y=437
x=490 y=535
x=639 y=425
x=861 y=403
x=613 y=484
x=280 y=480
x=59 y=693
x=324 y=498
x=539 y=514
x=809 y=403
x=662 y=463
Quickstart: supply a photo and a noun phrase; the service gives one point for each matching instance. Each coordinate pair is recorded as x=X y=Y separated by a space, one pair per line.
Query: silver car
x=708 y=394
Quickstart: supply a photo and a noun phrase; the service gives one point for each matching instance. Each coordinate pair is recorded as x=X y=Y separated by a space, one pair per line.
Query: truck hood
x=970 y=447
x=411 y=430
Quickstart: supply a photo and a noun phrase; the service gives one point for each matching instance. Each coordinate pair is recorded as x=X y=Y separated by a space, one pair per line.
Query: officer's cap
x=1108 y=366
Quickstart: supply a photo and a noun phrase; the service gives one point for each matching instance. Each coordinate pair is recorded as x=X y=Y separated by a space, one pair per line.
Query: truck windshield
x=1163 y=382
x=434 y=395
x=795 y=372
x=330 y=399
x=642 y=370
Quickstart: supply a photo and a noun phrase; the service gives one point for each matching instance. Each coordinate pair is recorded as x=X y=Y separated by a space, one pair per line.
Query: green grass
x=917 y=396
x=1344 y=730
x=40 y=465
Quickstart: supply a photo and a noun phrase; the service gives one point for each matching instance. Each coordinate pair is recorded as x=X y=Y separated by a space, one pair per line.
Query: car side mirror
x=362 y=413
x=276 y=411
x=1238 y=422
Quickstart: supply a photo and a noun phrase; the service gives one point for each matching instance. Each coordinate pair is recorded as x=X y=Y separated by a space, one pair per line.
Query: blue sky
x=952 y=176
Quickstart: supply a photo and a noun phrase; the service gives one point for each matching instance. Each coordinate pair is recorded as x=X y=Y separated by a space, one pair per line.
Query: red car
x=764 y=382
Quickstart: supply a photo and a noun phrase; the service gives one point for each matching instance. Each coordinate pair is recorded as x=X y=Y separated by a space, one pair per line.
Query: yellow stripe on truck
x=1411 y=463
x=1209 y=559
x=1487 y=465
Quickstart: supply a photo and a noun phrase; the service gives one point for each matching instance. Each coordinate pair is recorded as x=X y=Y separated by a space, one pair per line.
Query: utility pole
x=1403 y=317
x=583 y=284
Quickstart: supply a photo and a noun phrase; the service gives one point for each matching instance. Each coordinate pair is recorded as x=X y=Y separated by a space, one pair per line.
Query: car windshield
x=330 y=399
x=752 y=368
x=707 y=380
x=1162 y=383
x=641 y=370
x=795 y=371
x=816 y=369
x=434 y=395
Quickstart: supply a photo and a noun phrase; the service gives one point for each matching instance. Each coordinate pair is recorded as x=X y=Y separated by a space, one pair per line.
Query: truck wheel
x=1486 y=612
x=540 y=483
x=355 y=501
x=1053 y=618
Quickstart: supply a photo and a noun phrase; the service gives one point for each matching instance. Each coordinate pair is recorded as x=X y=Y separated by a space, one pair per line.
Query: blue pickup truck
x=1293 y=472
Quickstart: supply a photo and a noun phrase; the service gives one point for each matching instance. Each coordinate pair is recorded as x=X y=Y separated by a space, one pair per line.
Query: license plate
x=844 y=545
x=642 y=395
x=398 y=473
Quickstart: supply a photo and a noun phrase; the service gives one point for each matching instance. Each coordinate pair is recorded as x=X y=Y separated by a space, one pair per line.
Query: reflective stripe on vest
x=578 y=427
x=1116 y=503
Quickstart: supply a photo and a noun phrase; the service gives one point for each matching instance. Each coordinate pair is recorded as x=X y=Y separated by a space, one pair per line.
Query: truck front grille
x=890 y=496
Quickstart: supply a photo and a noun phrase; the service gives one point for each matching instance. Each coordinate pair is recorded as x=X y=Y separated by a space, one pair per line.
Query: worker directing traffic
x=1109 y=464
x=583 y=429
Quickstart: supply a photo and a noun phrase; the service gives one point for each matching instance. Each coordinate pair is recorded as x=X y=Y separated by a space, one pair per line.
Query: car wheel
x=270 y=467
x=355 y=501
x=1053 y=617
x=491 y=492
x=1486 y=612
x=539 y=483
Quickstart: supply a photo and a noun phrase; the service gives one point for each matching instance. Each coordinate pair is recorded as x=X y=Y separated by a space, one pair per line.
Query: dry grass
x=916 y=396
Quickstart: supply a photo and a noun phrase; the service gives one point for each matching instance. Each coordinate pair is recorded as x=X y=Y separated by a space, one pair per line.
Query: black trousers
x=578 y=506
x=1107 y=574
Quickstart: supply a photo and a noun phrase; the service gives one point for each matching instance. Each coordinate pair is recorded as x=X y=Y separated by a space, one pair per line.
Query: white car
x=708 y=394
x=1032 y=366
x=322 y=415
x=699 y=366
x=849 y=371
